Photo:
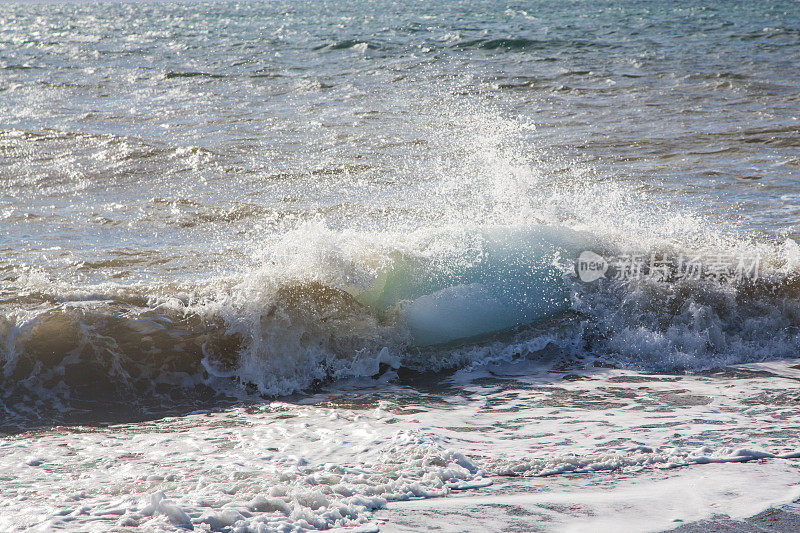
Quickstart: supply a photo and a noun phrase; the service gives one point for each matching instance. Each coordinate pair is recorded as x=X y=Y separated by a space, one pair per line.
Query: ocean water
x=288 y=266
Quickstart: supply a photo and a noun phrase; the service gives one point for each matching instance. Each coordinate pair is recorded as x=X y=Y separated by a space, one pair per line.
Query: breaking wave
x=327 y=305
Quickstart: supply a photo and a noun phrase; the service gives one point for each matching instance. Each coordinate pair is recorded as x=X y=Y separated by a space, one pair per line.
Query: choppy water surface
x=206 y=205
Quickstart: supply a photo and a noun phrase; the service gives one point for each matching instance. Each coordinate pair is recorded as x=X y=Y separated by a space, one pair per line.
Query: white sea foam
x=288 y=466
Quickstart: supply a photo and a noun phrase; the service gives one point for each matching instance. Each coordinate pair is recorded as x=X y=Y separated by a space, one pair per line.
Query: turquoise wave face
x=504 y=277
